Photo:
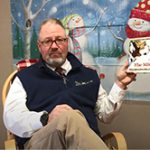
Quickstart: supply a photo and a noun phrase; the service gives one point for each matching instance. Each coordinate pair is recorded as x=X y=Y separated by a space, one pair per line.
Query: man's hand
x=58 y=110
x=123 y=77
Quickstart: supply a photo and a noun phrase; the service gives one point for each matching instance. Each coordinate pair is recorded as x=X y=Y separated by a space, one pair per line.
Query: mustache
x=55 y=53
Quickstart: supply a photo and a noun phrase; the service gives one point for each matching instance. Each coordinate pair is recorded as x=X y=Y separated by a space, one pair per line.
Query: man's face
x=53 y=44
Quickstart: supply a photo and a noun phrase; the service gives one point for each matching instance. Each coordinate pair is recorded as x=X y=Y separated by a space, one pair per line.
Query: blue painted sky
x=94 y=12
x=116 y=11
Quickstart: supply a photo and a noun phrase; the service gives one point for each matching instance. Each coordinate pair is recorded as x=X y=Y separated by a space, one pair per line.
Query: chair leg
x=10 y=145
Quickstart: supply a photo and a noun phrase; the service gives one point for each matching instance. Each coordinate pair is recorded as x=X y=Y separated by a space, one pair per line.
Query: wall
x=5 y=55
x=133 y=120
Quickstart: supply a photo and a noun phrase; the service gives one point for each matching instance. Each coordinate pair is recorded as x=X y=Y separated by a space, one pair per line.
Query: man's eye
x=60 y=40
x=47 y=41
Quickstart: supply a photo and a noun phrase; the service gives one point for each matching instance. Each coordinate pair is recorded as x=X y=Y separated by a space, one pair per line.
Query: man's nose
x=54 y=45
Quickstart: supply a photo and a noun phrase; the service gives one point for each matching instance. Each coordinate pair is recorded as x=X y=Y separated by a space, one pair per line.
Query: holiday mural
x=97 y=33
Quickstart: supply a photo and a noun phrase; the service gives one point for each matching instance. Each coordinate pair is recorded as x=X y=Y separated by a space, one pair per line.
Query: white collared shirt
x=26 y=122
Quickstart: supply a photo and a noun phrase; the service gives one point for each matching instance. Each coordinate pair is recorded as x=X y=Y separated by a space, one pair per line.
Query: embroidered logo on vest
x=80 y=83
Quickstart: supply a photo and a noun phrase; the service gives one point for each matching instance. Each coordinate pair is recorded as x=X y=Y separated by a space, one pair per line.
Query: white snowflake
x=85 y=2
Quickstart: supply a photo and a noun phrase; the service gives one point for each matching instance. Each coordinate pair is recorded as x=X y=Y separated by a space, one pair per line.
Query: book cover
x=139 y=55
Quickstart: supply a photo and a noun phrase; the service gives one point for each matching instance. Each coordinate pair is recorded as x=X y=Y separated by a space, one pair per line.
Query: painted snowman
x=138 y=26
x=74 y=23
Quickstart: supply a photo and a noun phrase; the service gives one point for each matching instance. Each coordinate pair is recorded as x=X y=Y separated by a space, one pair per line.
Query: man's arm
x=107 y=106
x=17 y=118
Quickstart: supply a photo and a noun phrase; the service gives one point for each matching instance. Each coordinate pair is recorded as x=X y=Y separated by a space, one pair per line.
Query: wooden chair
x=114 y=140
x=10 y=143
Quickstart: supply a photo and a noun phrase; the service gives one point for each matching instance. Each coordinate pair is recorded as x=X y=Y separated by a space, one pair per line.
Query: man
x=50 y=109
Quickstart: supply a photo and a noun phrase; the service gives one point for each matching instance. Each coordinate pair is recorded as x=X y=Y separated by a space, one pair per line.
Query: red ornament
x=101 y=75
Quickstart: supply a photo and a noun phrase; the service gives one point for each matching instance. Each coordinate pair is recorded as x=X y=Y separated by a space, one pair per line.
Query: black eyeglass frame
x=49 y=42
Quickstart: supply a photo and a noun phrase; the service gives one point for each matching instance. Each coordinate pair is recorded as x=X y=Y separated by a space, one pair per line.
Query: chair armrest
x=115 y=140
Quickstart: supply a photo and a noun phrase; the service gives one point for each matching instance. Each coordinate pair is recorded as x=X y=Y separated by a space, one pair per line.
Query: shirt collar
x=71 y=63
x=66 y=66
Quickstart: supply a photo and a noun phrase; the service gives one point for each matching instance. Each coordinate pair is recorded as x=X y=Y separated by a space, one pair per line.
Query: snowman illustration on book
x=75 y=28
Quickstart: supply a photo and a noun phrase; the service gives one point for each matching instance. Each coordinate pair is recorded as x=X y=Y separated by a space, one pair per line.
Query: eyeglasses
x=49 y=42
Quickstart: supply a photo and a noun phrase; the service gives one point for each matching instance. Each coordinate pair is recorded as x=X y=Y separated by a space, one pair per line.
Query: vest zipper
x=65 y=80
x=63 y=77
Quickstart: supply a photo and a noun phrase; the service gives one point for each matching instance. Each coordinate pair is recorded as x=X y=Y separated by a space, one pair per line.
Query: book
x=139 y=55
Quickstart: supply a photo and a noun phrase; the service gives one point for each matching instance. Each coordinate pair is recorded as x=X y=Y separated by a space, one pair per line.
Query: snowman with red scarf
x=138 y=24
x=75 y=25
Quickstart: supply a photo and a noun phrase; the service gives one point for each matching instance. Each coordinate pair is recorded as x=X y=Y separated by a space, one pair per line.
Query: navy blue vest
x=45 y=89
